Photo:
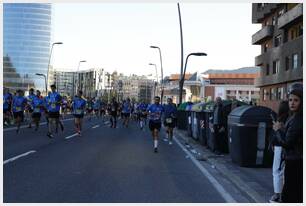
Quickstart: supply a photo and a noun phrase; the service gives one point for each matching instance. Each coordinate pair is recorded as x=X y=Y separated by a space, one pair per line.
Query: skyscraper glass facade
x=26 y=44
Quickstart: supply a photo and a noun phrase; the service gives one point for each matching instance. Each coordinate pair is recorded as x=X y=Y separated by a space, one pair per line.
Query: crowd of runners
x=30 y=109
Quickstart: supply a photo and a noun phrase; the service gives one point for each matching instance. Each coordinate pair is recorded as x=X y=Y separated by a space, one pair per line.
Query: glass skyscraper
x=26 y=40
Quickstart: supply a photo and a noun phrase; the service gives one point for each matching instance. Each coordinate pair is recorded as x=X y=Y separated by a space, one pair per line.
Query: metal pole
x=183 y=79
x=182 y=55
x=49 y=63
x=46 y=84
x=162 y=76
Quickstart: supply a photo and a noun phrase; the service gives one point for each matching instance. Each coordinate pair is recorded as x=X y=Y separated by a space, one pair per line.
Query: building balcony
x=281 y=52
x=281 y=77
x=263 y=34
x=259 y=13
x=288 y=48
x=291 y=16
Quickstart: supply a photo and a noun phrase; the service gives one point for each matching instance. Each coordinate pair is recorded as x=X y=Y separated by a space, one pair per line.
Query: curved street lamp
x=162 y=73
x=183 y=76
x=79 y=74
x=55 y=43
x=38 y=74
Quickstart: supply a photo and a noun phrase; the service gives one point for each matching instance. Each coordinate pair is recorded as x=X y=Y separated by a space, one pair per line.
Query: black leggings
x=113 y=120
x=293 y=187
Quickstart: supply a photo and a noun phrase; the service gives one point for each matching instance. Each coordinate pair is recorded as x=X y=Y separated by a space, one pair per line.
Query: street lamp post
x=183 y=74
x=155 y=85
x=50 y=57
x=162 y=73
x=38 y=74
x=79 y=74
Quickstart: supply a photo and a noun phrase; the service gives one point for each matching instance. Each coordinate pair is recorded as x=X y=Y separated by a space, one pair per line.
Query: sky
x=117 y=36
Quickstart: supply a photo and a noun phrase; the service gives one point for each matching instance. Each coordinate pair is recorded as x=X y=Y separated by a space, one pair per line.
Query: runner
x=54 y=101
x=113 y=111
x=96 y=107
x=142 y=107
x=19 y=104
x=38 y=104
x=155 y=111
x=103 y=108
x=170 y=119
x=78 y=106
x=46 y=102
x=126 y=110
x=29 y=106
x=64 y=107
x=89 y=107
x=7 y=106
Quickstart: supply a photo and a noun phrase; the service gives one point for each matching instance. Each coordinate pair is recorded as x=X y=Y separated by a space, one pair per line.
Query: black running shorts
x=154 y=125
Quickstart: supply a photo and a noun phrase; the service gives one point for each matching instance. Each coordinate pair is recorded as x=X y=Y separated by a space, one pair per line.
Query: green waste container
x=249 y=131
x=182 y=116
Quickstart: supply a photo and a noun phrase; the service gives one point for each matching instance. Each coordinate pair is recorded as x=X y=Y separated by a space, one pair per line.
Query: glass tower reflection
x=26 y=38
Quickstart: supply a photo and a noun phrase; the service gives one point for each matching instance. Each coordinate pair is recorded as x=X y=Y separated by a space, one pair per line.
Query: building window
x=287 y=63
x=281 y=12
x=273 y=20
x=264 y=95
x=277 y=40
x=276 y=66
x=280 y=93
x=267 y=69
x=294 y=61
x=300 y=30
x=273 y=94
x=252 y=92
x=266 y=47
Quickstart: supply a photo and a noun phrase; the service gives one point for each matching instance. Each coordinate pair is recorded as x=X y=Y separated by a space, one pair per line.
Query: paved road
x=103 y=165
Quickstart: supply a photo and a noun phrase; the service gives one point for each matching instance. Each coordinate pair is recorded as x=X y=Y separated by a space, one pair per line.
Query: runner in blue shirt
x=46 y=102
x=54 y=105
x=96 y=106
x=126 y=111
x=155 y=112
x=64 y=106
x=78 y=108
x=29 y=106
x=19 y=104
x=7 y=106
x=170 y=119
x=142 y=107
x=38 y=105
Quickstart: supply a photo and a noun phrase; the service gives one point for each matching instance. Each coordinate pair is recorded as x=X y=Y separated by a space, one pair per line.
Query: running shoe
x=276 y=198
x=170 y=143
x=50 y=135
x=155 y=150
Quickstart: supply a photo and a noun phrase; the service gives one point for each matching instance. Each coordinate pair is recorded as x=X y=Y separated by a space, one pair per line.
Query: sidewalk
x=253 y=185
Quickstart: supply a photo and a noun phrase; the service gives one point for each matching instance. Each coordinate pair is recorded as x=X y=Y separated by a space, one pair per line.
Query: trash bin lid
x=198 y=107
x=183 y=106
x=188 y=106
x=249 y=115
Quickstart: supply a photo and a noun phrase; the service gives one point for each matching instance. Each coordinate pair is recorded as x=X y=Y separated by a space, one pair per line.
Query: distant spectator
x=218 y=125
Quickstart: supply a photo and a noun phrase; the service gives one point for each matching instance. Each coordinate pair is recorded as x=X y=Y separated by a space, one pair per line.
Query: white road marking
x=96 y=126
x=26 y=126
x=227 y=197
x=71 y=136
x=19 y=156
